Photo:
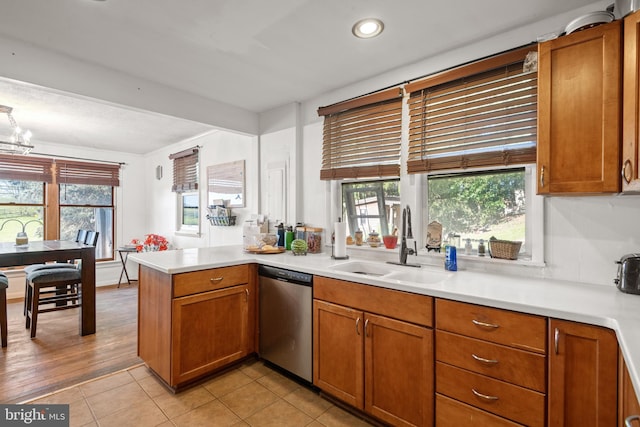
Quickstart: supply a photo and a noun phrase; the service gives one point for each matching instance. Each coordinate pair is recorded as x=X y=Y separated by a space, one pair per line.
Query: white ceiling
x=251 y=54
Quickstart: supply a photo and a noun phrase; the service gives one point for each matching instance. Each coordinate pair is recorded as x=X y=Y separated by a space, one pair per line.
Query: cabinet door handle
x=630 y=419
x=542 y=177
x=627 y=178
x=483 y=360
x=216 y=279
x=358 y=326
x=366 y=323
x=484 y=324
x=247 y=294
x=556 y=340
x=483 y=396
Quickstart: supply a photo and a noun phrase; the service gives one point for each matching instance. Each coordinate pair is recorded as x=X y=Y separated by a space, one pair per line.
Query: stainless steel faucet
x=406 y=234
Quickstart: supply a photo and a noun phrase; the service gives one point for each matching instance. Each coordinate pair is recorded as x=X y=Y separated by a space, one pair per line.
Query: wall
x=583 y=235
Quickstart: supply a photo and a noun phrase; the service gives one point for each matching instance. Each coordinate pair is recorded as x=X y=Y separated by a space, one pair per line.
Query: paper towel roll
x=340 y=244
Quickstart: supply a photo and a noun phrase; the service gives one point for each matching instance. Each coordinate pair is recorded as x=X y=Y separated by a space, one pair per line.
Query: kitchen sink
x=365 y=268
x=421 y=275
x=393 y=272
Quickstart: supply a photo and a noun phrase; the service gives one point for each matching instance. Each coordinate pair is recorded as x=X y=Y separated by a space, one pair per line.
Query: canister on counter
x=314 y=240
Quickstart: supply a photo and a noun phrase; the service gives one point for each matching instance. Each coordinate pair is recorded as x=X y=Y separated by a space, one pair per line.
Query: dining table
x=12 y=255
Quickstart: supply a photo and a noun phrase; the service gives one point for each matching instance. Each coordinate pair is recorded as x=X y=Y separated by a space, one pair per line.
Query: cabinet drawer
x=498 y=397
x=399 y=305
x=451 y=413
x=206 y=280
x=509 y=364
x=524 y=331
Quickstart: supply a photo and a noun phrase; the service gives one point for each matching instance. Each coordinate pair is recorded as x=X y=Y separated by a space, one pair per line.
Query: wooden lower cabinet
x=583 y=369
x=490 y=366
x=375 y=363
x=192 y=324
x=628 y=404
x=210 y=330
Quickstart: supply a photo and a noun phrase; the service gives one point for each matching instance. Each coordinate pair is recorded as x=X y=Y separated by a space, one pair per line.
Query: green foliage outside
x=479 y=206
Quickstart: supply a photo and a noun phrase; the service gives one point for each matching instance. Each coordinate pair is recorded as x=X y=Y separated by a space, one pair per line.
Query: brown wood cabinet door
x=583 y=369
x=579 y=112
x=628 y=404
x=631 y=105
x=399 y=371
x=338 y=352
x=210 y=330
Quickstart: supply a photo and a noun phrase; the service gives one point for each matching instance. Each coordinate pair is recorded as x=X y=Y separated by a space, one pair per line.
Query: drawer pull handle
x=630 y=419
x=484 y=324
x=483 y=396
x=483 y=360
x=216 y=279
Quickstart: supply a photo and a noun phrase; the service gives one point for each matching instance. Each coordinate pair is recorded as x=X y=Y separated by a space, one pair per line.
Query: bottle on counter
x=280 y=235
x=359 y=237
x=467 y=247
x=288 y=237
x=481 y=248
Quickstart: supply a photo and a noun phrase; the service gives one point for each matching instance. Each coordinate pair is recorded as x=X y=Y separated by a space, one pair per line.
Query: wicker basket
x=504 y=249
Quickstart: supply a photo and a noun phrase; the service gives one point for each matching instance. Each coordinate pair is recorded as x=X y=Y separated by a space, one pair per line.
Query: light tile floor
x=250 y=395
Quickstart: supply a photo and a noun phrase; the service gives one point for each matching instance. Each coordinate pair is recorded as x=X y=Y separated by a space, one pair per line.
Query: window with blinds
x=26 y=168
x=185 y=170
x=72 y=172
x=487 y=118
x=361 y=137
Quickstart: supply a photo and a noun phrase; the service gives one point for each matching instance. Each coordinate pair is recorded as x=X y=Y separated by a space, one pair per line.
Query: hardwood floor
x=59 y=357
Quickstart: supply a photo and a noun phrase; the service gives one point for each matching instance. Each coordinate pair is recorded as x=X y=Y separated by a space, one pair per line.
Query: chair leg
x=26 y=291
x=35 y=299
x=3 y=316
x=27 y=303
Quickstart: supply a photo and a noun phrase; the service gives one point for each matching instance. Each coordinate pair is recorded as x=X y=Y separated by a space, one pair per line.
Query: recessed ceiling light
x=367 y=28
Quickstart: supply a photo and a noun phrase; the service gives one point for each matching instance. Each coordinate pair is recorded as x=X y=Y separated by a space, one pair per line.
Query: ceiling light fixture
x=18 y=142
x=367 y=28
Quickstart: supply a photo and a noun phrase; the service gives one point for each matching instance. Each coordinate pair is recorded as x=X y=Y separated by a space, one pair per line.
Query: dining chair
x=81 y=236
x=91 y=238
x=52 y=289
x=4 y=284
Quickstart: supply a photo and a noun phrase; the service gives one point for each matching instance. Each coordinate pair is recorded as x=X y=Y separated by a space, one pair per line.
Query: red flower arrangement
x=151 y=243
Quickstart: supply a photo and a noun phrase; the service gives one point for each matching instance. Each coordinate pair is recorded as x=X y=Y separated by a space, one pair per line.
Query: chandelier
x=18 y=141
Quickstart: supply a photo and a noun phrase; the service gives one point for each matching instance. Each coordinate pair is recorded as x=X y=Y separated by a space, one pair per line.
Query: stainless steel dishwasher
x=286 y=319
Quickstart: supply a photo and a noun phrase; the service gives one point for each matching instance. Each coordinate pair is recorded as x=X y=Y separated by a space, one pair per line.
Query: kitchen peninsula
x=549 y=304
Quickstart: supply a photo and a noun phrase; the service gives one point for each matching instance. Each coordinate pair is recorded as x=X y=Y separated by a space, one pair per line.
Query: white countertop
x=592 y=304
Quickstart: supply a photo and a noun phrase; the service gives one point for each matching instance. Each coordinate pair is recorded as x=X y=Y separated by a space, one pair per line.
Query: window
x=78 y=194
x=86 y=200
x=371 y=206
x=88 y=207
x=185 y=184
x=479 y=205
x=189 y=208
x=21 y=205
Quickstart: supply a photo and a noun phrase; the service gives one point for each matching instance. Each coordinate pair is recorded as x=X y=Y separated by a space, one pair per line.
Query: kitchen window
x=479 y=205
x=371 y=206
x=189 y=208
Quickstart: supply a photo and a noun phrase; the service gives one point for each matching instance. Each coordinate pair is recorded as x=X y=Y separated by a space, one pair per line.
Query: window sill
x=188 y=234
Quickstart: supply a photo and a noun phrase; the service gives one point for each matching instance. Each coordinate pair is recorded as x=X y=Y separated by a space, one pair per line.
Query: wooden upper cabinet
x=579 y=112
x=631 y=105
